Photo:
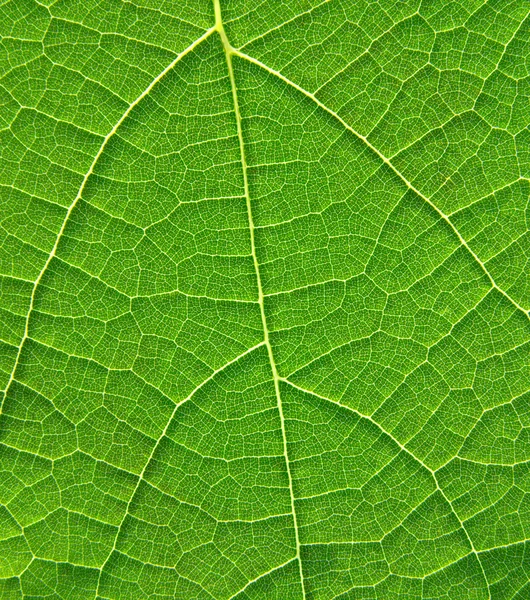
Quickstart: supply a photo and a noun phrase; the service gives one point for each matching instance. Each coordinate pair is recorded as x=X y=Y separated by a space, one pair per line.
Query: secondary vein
x=141 y=476
x=409 y=453
x=72 y=206
x=389 y=164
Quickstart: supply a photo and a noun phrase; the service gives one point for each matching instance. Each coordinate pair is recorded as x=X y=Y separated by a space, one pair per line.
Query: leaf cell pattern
x=265 y=293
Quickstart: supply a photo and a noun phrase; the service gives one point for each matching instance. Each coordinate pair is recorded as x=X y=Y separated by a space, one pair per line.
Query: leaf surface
x=265 y=293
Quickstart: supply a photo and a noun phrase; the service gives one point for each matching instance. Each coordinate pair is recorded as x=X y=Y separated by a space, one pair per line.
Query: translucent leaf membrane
x=264 y=279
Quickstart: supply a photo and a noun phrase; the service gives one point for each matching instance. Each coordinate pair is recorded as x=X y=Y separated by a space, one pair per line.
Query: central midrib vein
x=229 y=51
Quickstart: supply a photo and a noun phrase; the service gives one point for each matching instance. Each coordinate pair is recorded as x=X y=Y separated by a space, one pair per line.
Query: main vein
x=229 y=52
x=72 y=206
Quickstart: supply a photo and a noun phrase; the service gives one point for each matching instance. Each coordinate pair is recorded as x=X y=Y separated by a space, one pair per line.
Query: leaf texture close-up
x=265 y=293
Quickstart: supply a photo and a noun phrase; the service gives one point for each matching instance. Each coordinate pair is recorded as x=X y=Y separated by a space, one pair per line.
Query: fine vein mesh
x=264 y=300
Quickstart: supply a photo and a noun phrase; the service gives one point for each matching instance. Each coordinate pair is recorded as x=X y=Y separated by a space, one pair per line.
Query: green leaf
x=265 y=292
